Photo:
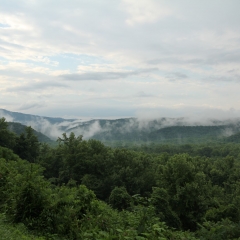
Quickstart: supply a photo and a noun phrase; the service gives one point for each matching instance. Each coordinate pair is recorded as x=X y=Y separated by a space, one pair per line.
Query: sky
x=123 y=58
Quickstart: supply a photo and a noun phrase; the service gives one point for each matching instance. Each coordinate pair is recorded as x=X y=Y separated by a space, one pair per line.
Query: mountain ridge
x=19 y=128
x=162 y=130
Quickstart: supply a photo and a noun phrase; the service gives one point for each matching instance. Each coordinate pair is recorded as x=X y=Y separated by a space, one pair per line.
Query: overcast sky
x=105 y=58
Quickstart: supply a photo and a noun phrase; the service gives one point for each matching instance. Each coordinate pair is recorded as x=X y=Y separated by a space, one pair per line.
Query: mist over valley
x=135 y=130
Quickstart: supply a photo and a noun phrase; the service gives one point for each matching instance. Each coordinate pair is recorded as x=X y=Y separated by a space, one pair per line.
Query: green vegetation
x=82 y=189
x=13 y=232
x=18 y=128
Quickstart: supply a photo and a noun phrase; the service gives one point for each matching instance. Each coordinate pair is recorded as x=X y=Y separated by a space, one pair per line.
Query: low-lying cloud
x=139 y=127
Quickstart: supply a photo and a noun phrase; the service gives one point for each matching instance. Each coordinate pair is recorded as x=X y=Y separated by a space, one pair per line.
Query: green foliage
x=18 y=129
x=14 y=173
x=29 y=204
x=163 y=194
x=7 y=138
x=8 y=154
x=65 y=210
x=222 y=230
x=50 y=160
x=160 y=200
x=13 y=232
x=119 y=198
x=187 y=187
x=27 y=145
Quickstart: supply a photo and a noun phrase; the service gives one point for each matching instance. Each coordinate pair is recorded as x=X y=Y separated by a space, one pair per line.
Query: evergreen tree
x=27 y=145
x=7 y=138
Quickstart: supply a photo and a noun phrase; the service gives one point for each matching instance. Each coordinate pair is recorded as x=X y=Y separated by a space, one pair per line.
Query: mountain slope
x=25 y=118
x=162 y=130
x=235 y=138
x=18 y=128
x=185 y=133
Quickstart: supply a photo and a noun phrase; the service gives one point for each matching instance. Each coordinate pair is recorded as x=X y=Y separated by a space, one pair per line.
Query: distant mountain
x=26 y=118
x=162 y=130
x=190 y=134
x=18 y=128
x=235 y=138
x=51 y=127
x=135 y=130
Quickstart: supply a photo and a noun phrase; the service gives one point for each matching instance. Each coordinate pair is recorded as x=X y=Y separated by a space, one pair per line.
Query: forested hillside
x=116 y=132
x=83 y=189
x=19 y=129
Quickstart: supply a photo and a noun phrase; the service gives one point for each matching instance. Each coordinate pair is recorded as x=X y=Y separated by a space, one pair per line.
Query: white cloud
x=194 y=46
x=145 y=11
x=15 y=22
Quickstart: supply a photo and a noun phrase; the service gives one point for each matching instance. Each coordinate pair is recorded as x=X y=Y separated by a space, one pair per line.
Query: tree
x=29 y=204
x=27 y=145
x=160 y=200
x=7 y=138
x=187 y=187
x=119 y=198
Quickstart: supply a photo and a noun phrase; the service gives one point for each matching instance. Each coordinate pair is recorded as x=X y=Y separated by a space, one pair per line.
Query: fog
x=143 y=123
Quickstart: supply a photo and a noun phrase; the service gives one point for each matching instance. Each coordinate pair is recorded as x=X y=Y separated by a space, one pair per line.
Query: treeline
x=211 y=150
x=86 y=190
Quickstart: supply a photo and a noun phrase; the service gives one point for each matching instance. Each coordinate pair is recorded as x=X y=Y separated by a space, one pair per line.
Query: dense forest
x=83 y=189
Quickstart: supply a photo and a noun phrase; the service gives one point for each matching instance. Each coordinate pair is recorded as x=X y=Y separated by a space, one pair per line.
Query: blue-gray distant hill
x=25 y=118
x=18 y=128
x=51 y=127
x=113 y=131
